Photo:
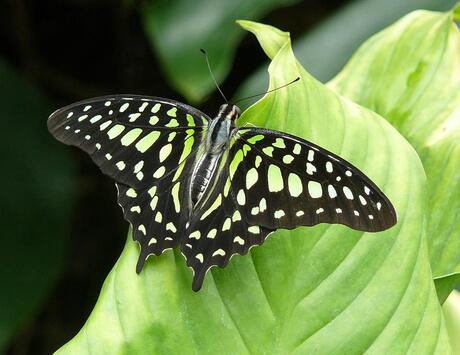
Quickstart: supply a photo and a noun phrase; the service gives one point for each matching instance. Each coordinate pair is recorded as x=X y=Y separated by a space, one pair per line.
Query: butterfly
x=209 y=187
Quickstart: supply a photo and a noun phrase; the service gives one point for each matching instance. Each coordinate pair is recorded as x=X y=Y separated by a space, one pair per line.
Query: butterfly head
x=230 y=112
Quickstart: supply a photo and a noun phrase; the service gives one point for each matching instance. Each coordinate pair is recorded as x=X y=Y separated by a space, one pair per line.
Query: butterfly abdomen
x=204 y=172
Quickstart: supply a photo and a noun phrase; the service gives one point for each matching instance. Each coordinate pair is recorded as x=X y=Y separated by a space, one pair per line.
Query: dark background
x=109 y=52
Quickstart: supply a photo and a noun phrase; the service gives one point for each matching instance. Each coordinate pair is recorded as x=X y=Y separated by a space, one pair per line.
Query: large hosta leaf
x=178 y=29
x=322 y=290
x=410 y=74
x=326 y=48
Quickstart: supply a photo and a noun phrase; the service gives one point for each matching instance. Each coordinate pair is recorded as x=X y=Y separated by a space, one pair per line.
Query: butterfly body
x=218 y=137
x=208 y=187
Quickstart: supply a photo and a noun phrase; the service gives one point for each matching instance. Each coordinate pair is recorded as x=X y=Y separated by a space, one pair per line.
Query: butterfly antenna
x=212 y=75
x=266 y=92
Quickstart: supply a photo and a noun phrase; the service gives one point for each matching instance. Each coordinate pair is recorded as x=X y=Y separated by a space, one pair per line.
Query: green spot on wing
x=172 y=112
x=255 y=139
x=237 y=159
x=131 y=193
x=251 y=178
x=268 y=151
x=279 y=143
x=146 y=142
x=172 y=123
x=131 y=136
x=295 y=185
x=188 y=145
x=156 y=108
x=165 y=151
x=115 y=131
x=314 y=189
x=190 y=120
x=175 y=195
x=228 y=183
x=216 y=204
x=275 y=178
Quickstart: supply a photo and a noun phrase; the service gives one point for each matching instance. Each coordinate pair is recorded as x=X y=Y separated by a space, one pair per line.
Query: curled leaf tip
x=271 y=39
x=257 y=26
x=456 y=11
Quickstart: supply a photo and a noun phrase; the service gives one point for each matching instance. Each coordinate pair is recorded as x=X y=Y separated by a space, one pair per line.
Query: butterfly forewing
x=145 y=144
x=123 y=134
x=285 y=182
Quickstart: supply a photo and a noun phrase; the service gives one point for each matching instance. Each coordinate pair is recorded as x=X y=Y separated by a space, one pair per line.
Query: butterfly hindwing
x=144 y=144
x=218 y=231
x=288 y=182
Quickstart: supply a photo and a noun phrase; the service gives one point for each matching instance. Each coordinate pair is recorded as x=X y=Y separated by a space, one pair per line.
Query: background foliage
x=421 y=67
x=62 y=231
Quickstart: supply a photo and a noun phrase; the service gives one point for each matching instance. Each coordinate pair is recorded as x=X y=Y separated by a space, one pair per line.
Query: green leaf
x=178 y=29
x=37 y=191
x=326 y=289
x=445 y=285
x=456 y=11
x=326 y=48
x=451 y=311
x=273 y=38
x=410 y=74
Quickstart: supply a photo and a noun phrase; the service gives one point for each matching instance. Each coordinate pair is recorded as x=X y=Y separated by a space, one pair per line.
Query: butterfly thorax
x=221 y=129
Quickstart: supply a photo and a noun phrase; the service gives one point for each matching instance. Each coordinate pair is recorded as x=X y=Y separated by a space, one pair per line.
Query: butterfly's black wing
x=218 y=231
x=305 y=184
x=275 y=180
x=144 y=144
x=120 y=131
